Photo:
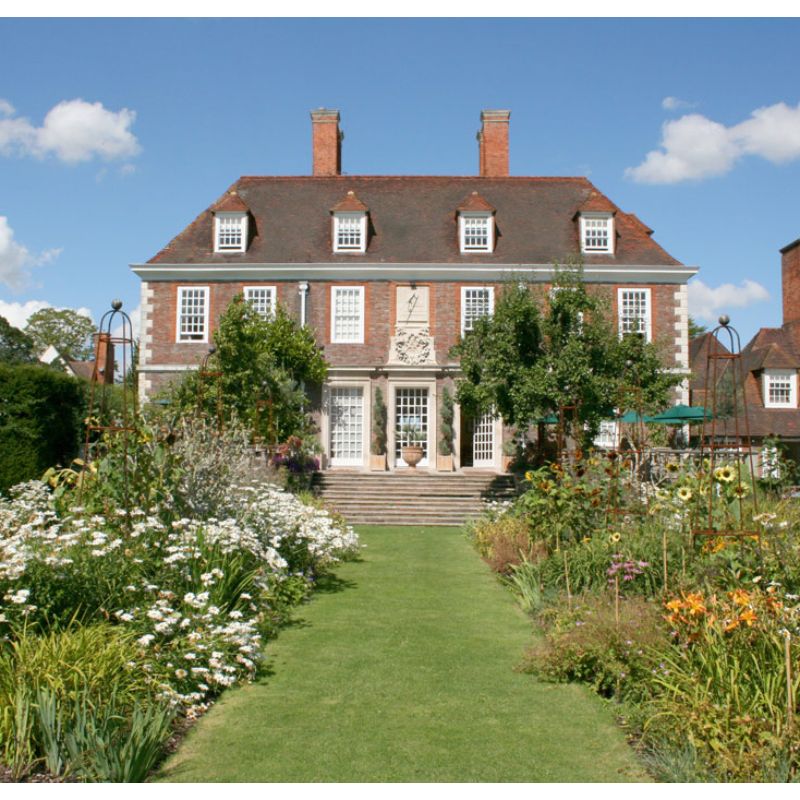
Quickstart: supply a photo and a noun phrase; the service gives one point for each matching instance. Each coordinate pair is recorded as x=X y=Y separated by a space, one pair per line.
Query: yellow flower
x=694 y=603
x=741 y=490
x=529 y=476
x=614 y=537
x=672 y=467
x=586 y=539
x=724 y=474
x=748 y=616
x=685 y=494
x=675 y=605
x=740 y=597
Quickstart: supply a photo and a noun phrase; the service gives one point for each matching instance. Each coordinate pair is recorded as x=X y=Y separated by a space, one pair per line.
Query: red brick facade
x=412 y=246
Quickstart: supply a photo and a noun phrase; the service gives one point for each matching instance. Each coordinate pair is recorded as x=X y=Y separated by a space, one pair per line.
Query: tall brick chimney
x=104 y=358
x=326 y=142
x=493 y=144
x=790 y=275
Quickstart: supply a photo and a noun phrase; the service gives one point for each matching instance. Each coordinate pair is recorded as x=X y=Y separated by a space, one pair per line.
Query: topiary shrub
x=41 y=417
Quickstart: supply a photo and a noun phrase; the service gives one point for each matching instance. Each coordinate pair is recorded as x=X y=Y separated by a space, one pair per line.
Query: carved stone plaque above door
x=412 y=343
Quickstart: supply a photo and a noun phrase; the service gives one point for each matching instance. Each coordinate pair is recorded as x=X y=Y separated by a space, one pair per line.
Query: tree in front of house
x=265 y=366
x=537 y=354
x=63 y=328
x=16 y=347
x=696 y=328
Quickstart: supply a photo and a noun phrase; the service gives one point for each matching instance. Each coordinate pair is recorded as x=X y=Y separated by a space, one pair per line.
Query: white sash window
x=634 y=312
x=192 y=316
x=347 y=314
x=262 y=298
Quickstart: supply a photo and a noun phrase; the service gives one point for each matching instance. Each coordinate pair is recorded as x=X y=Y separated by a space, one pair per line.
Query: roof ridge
x=519 y=178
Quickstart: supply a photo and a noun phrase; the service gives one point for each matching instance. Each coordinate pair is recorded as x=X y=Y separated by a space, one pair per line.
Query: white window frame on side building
x=468 y=324
x=470 y=236
x=353 y=223
x=347 y=331
x=648 y=315
x=230 y=232
x=263 y=299
x=199 y=336
x=784 y=377
x=590 y=223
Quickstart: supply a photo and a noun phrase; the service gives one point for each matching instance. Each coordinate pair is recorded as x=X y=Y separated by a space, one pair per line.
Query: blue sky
x=88 y=188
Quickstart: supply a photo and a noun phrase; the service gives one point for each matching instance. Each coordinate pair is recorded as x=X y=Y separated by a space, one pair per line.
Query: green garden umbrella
x=681 y=415
x=631 y=417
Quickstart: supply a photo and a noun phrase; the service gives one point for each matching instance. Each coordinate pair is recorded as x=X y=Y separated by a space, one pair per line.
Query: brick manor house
x=389 y=272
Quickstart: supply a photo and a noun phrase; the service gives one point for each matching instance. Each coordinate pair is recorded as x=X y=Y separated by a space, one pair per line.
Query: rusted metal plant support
x=111 y=351
x=718 y=361
x=204 y=375
x=630 y=460
x=567 y=415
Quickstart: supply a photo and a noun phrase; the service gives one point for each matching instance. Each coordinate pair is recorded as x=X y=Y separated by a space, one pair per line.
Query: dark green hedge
x=41 y=418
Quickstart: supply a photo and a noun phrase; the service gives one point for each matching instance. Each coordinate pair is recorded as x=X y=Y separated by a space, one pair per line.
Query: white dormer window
x=262 y=299
x=476 y=233
x=780 y=388
x=230 y=232
x=350 y=232
x=597 y=233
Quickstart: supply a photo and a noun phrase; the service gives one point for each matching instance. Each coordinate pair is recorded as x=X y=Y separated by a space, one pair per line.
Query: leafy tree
x=378 y=424
x=16 y=347
x=695 y=328
x=265 y=365
x=525 y=363
x=66 y=330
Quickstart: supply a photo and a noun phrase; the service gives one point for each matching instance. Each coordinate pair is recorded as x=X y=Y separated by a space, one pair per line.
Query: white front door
x=411 y=413
x=347 y=426
x=483 y=442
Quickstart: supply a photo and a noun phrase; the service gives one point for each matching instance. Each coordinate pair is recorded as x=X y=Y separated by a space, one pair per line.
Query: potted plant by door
x=413 y=451
x=444 y=459
x=377 y=458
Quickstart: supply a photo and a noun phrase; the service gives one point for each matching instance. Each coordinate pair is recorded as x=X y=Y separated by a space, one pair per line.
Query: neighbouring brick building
x=390 y=271
x=769 y=367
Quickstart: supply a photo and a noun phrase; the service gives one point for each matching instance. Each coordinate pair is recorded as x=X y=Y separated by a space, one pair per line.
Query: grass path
x=402 y=670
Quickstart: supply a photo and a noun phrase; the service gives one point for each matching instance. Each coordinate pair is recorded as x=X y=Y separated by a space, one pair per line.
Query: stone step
x=410 y=498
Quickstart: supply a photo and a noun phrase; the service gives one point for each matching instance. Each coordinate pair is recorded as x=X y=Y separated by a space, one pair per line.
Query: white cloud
x=707 y=303
x=6 y=109
x=16 y=260
x=695 y=147
x=72 y=131
x=674 y=103
x=19 y=313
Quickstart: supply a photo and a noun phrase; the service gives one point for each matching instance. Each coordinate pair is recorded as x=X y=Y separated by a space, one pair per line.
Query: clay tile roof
x=350 y=203
x=82 y=369
x=230 y=202
x=597 y=202
x=414 y=221
x=474 y=202
x=646 y=228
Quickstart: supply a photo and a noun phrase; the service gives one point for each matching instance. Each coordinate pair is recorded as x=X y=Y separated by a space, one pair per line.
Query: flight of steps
x=406 y=498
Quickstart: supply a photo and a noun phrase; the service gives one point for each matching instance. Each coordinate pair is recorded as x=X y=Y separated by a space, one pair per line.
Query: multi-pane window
x=192 y=314
x=780 y=389
x=347 y=314
x=476 y=233
x=231 y=233
x=262 y=298
x=634 y=311
x=607 y=436
x=350 y=233
x=476 y=302
x=597 y=234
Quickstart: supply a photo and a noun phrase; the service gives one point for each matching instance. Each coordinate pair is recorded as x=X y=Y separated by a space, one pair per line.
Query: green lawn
x=402 y=669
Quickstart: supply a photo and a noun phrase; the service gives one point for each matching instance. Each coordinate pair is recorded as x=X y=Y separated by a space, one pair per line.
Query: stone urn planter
x=412 y=454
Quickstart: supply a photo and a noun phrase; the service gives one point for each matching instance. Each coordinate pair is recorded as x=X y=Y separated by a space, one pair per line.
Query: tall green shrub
x=41 y=413
x=378 y=423
x=446 y=427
